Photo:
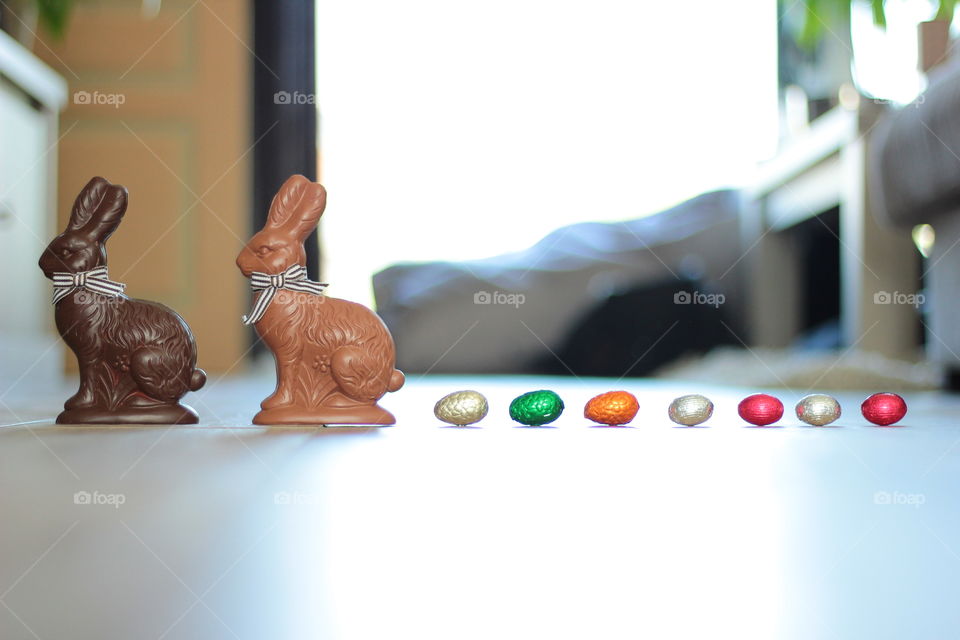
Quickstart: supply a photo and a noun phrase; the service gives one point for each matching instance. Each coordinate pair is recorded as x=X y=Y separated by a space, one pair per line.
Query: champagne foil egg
x=690 y=410
x=760 y=409
x=536 y=408
x=884 y=408
x=818 y=409
x=612 y=408
x=461 y=408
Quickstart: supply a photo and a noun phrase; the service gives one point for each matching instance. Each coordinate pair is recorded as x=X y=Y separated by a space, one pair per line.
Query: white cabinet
x=24 y=215
x=31 y=96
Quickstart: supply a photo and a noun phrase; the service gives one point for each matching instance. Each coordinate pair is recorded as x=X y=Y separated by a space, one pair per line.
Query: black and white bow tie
x=293 y=278
x=95 y=280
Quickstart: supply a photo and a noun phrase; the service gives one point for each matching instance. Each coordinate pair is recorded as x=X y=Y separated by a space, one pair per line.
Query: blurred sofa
x=914 y=178
x=588 y=299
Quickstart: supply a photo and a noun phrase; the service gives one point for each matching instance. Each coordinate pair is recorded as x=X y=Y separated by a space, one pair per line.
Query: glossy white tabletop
x=420 y=531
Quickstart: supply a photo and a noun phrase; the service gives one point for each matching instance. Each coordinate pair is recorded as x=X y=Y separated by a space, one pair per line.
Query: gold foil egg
x=690 y=410
x=461 y=408
x=818 y=409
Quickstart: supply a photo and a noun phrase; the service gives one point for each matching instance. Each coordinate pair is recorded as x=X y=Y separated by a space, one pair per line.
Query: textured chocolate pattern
x=335 y=359
x=137 y=358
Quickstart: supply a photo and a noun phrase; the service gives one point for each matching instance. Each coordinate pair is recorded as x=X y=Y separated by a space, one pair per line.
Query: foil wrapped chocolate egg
x=760 y=409
x=536 y=408
x=612 y=408
x=690 y=410
x=818 y=409
x=461 y=408
x=884 y=409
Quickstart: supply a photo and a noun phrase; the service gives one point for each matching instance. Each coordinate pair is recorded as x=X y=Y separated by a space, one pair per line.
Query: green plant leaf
x=812 y=29
x=821 y=16
x=879 y=15
x=945 y=10
x=54 y=15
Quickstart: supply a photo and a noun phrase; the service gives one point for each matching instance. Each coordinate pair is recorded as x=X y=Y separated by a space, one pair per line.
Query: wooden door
x=160 y=104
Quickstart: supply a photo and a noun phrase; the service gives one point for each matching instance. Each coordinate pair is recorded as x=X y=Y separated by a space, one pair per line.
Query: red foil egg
x=884 y=408
x=760 y=409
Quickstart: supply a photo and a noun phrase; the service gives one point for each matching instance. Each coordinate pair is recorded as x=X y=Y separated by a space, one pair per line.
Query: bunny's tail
x=396 y=380
x=197 y=379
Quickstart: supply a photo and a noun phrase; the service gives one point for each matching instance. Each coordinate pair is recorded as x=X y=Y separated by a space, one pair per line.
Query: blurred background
x=754 y=192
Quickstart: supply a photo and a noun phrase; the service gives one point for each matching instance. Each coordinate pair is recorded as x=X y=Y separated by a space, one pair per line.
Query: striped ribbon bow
x=294 y=278
x=95 y=280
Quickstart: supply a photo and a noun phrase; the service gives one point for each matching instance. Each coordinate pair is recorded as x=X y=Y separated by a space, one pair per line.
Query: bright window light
x=885 y=63
x=452 y=131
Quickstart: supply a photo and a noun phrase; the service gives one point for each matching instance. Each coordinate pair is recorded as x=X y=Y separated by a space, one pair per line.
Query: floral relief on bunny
x=136 y=358
x=335 y=358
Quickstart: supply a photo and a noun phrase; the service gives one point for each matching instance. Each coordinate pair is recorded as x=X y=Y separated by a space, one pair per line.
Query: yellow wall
x=180 y=143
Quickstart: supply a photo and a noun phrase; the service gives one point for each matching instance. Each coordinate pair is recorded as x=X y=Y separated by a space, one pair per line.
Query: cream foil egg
x=461 y=408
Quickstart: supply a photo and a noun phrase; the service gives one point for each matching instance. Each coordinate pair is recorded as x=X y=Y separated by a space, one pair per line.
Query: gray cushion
x=490 y=315
x=915 y=155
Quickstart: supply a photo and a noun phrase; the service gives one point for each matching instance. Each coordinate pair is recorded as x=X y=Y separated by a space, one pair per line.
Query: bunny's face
x=294 y=213
x=72 y=252
x=96 y=214
x=270 y=251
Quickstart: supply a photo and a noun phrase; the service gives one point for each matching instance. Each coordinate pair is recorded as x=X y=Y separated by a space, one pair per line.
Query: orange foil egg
x=612 y=408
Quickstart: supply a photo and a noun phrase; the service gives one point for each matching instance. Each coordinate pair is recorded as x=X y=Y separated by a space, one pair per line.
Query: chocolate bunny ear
x=99 y=208
x=297 y=207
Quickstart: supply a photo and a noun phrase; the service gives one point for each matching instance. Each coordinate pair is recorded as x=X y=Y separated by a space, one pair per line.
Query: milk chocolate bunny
x=137 y=358
x=334 y=358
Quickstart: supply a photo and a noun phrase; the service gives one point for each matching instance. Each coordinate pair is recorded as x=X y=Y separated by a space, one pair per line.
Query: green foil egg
x=461 y=408
x=536 y=408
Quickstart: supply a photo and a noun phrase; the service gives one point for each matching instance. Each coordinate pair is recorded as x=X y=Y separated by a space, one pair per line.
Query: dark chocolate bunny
x=137 y=358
